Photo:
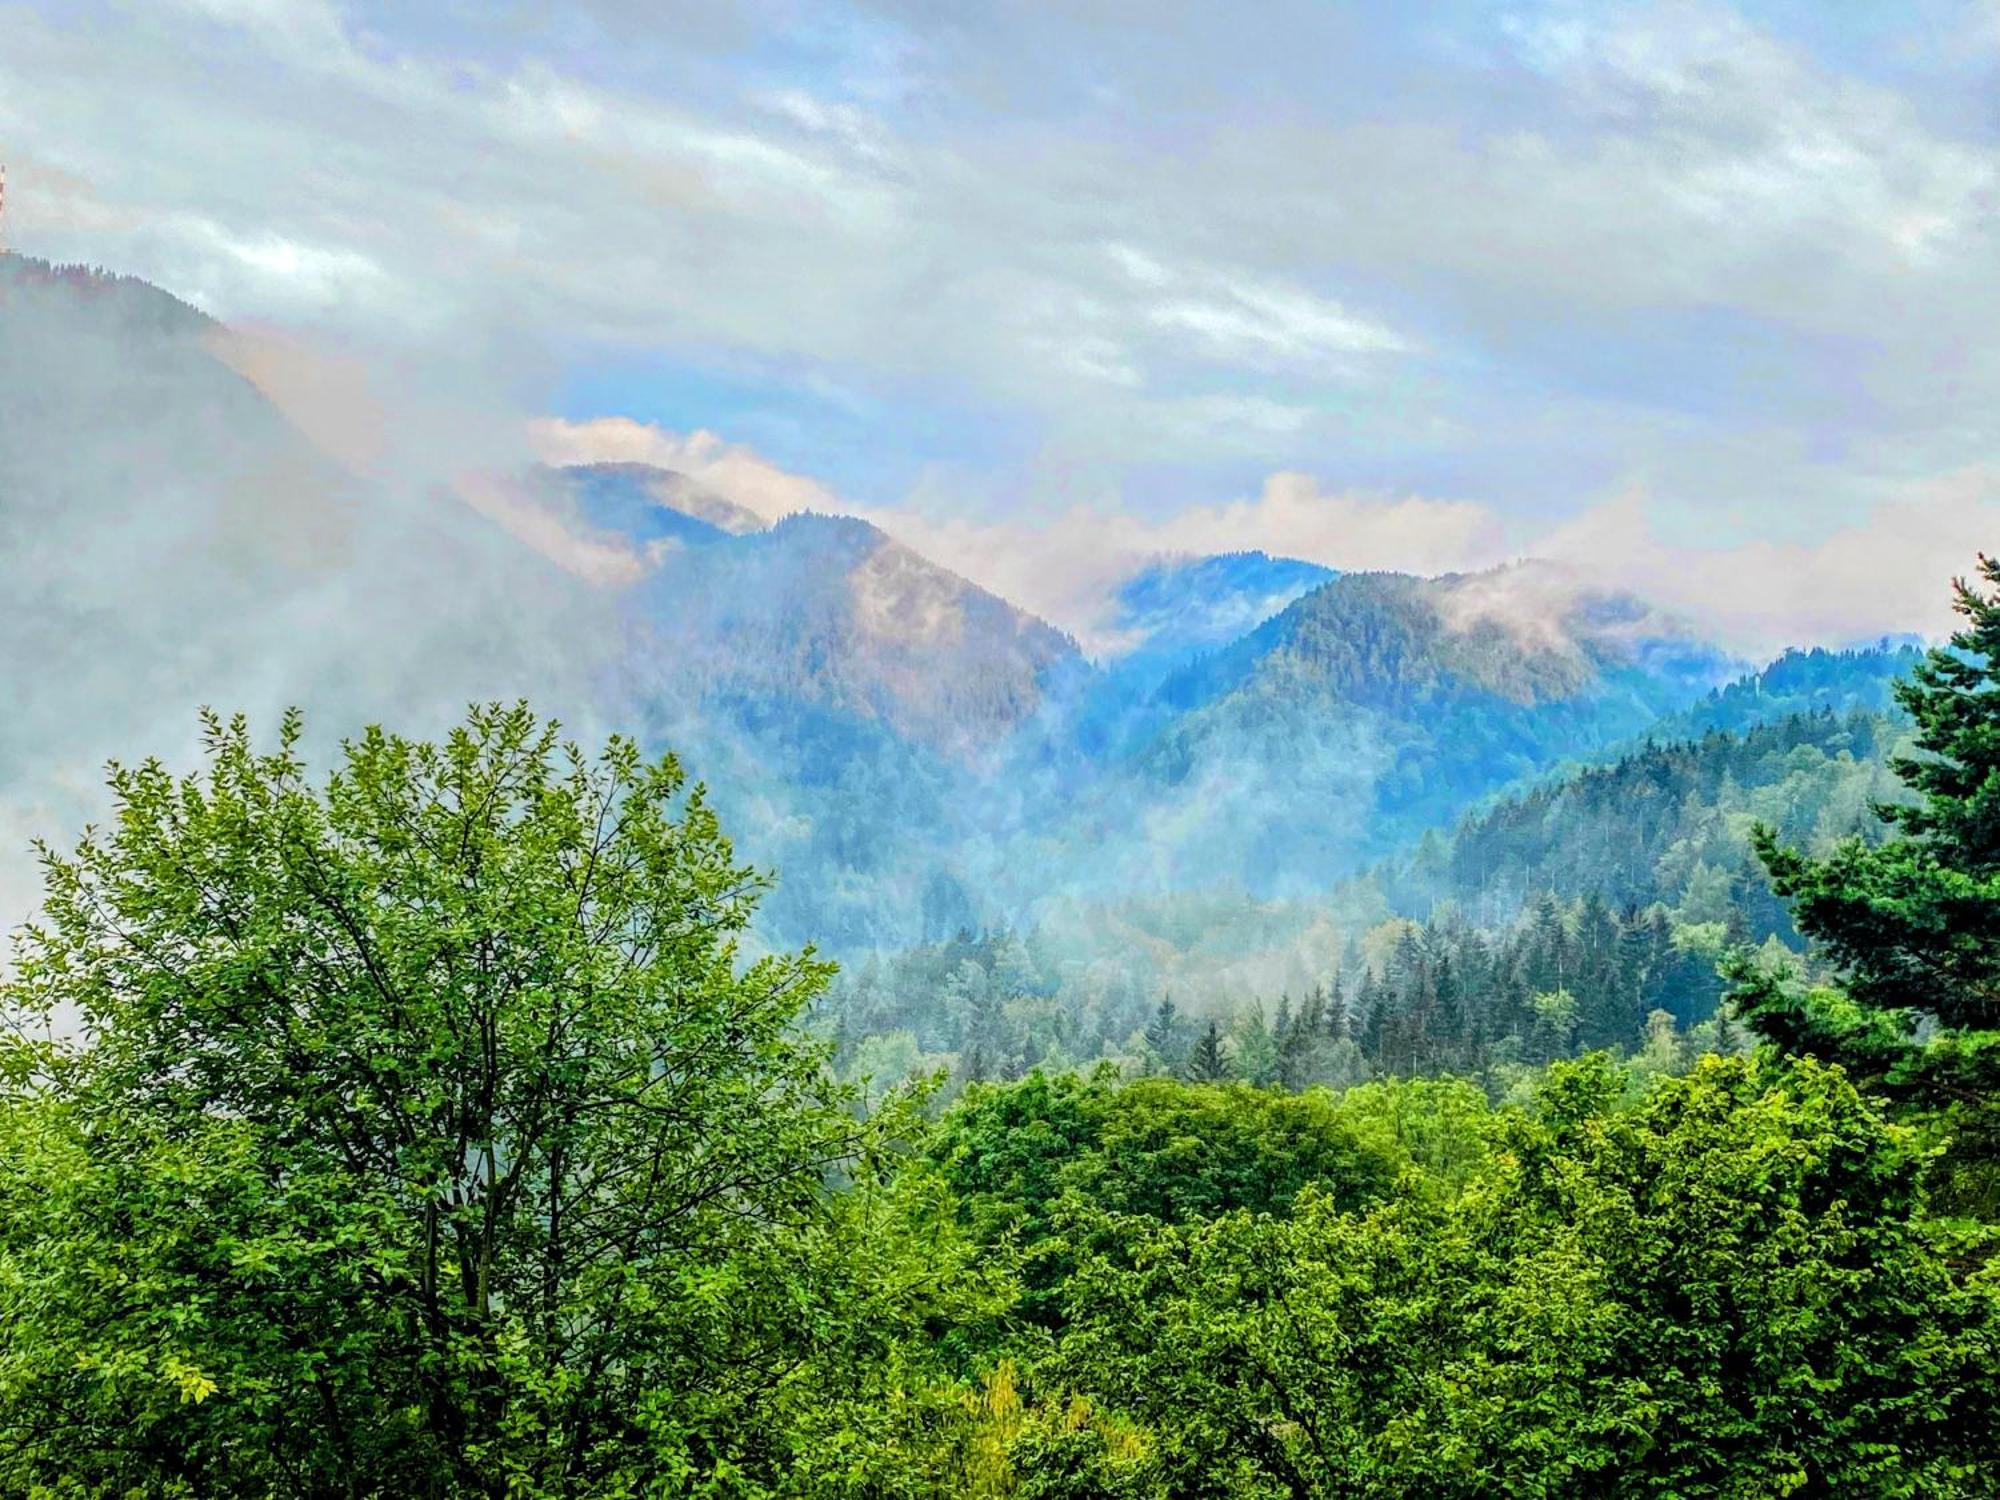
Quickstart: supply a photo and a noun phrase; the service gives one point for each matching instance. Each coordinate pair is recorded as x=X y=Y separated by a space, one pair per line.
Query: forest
x=436 y=1125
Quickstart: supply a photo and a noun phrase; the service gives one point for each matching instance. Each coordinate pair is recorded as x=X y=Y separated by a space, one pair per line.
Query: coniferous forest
x=429 y=1125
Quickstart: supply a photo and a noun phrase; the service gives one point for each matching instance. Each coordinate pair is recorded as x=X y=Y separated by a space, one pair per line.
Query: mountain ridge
x=914 y=751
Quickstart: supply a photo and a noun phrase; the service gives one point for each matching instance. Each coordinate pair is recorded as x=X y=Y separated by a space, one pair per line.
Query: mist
x=175 y=538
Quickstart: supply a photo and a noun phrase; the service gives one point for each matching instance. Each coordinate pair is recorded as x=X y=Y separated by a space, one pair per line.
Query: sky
x=1700 y=298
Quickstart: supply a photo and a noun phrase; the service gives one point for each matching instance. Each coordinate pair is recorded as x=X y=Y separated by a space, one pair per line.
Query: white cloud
x=1231 y=316
x=1885 y=573
x=1661 y=242
x=732 y=470
x=605 y=561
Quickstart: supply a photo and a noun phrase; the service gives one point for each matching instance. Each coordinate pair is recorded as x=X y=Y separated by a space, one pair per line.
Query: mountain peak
x=621 y=495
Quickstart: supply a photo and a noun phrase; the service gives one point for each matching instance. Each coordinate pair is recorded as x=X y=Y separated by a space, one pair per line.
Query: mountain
x=1666 y=823
x=151 y=507
x=649 y=504
x=859 y=712
x=1377 y=705
x=913 y=753
x=1858 y=680
x=819 y=611
x=170 y=538
x=1177 y=608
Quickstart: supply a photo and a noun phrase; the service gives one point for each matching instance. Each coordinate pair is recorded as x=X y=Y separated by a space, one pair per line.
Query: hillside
x=1178 y=608
x=169 y=539
x=1375 y=706
x=914 y=753
x=1666 y=823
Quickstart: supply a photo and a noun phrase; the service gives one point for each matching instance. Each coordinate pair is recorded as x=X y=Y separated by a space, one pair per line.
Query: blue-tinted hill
x=1180 y=607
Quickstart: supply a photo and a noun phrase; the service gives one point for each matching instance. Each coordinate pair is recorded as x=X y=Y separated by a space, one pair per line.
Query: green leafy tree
x=425 y=1135
x=1913 y=924
x=1729 y=1290
x=1154 y=1147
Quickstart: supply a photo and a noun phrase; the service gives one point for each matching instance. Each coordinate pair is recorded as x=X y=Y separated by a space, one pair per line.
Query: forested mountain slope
x=914 y=753
x=1380 y=704
x=1668 y=822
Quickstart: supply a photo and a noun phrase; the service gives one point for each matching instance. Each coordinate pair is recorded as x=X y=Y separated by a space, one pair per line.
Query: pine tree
x=1372 y=1007
x=1635 y=961
x=1550 y=965
x=1336 y=1011
x=1301 y=1040
x=1448 y=1023
x=1257 y=1057
x=1604 y=1018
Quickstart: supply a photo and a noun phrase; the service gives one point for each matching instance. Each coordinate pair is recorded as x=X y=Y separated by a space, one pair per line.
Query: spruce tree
x=1913 y=924
x=1166 y=1037
x=1208 y=1062
x=1336 y=1011
x=1448 y=1016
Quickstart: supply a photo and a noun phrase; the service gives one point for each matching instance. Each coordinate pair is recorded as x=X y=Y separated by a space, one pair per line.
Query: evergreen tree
x=1166 y=1037
x=1336 y=1010
x=1300 y=1040
x=1207 y=1061
x=1913 y=924
x=1257 y=1056
x=1449 y=1016
x=1549 y=961
x=1603 y=1018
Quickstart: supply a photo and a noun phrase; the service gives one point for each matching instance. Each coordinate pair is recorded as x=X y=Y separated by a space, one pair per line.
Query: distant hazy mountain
x=1666 y=822
x=652 y=504
x=1180 y=607
x=859 y=711
x=913 y=753
x=1376 y=705
x=155 y=510
x=1860 y=680
x=827 y=611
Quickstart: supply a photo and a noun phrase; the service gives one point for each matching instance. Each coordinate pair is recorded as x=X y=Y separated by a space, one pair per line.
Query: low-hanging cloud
x=1886 y=572
x=732 y=471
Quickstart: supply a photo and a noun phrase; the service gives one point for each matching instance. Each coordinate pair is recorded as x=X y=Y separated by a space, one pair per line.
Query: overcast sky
x=1705 y=297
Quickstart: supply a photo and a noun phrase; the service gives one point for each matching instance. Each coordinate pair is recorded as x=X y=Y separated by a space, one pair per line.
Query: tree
x=1725 y=1291
x=1207 y=1061
x=1258 y=1059
x=1555 y=1025
x=425 y=1136
x=1016 y=1154
x=1166 y=1037
x=1913 y=924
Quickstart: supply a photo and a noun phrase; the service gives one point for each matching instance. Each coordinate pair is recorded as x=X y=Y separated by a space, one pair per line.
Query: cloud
x=564 y=541
x=731 y=470
x=1234 y=318
x=1534 y=256
x=1885 y=573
